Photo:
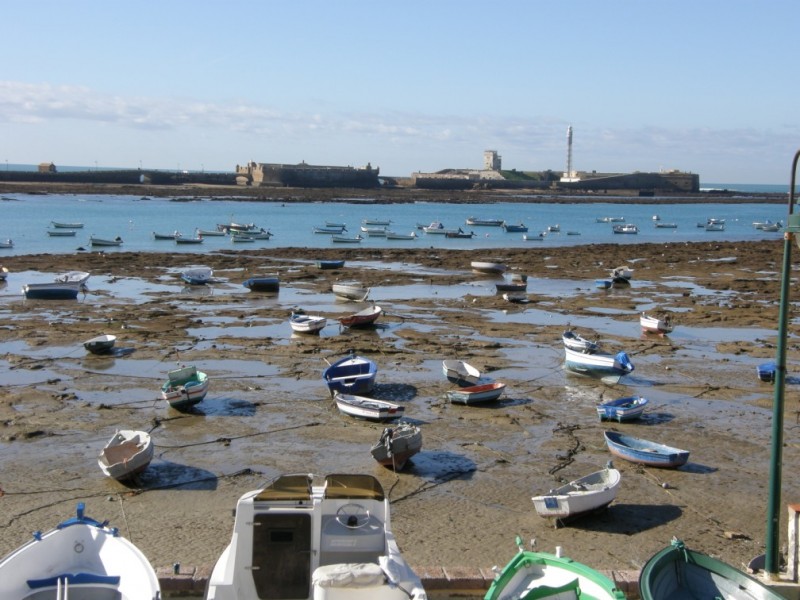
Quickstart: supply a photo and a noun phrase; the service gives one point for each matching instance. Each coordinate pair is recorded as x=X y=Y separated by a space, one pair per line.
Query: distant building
x=491 y=160
x=47 y=168
x=305 y=175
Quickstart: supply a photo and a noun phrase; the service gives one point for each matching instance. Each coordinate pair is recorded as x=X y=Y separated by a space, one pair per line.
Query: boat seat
x=353 y=581
x=568 y=590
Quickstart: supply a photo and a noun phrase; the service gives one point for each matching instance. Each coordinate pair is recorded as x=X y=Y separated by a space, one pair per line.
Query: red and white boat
x=474 y=394
x=363 y=317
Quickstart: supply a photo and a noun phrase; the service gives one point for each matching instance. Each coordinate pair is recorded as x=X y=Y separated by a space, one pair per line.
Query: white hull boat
x=185 y=387
x=582 y=496
x=490 y=268
x=461 y=373
x=370 y=409
x=655 y=324
x=101 y=344
x=609 y=368
x=351 y=291
x=303 y=323
x=301 y=538
x=578 y=343
x=397 y=445
x=79 y=559
x=126 y=454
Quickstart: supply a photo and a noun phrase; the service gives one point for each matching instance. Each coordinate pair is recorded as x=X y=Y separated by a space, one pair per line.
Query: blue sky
x=707 y=86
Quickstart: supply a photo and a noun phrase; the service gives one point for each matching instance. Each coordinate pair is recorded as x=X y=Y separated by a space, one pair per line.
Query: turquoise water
x=25 y=219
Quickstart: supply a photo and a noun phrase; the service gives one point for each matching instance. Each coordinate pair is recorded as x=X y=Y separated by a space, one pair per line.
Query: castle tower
x=491 y=160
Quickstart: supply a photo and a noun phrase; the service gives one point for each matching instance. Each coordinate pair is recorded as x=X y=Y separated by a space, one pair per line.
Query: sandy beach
x=469 y=492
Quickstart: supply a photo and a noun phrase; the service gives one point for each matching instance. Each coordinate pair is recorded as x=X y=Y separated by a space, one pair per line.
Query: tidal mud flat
x=468 y=493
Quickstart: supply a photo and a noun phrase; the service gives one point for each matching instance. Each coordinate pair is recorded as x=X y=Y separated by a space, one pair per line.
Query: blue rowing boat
x=644 y=452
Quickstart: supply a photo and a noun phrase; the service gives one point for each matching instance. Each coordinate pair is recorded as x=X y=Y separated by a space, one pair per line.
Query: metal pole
x=772 y=558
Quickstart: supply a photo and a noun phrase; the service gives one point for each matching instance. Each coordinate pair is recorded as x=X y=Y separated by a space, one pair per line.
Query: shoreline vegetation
x=391 y=195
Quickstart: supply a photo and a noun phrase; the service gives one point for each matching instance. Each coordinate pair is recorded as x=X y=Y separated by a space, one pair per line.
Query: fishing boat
x=715 y=226
x=185 y=387
x=198 y=275
x=351 y=374
x=666 y=225
x=306 y=537
x=766 y=371
x=127 y=454
x=478 y=222
x=251 y=234
x=350 y=291
x=397 y=445
x=330 y=230
x=303 y=323
x=476 y=394
x=459 y=234
x=622 y=409
x=627 y=228
x=61 y=232
x=362 y=318
x=534 y=237
x=660 y=325
x=515 y=228
x=609 y=368
x=65 y=225
x=610 y=219
x=645 y=452
x=96 y=241
x=461 y=373
x=6 y=244
x=209 y=233
x=554 y=228
x=101 y=344
x=537 y=575
x=80 y=558
x=188 y=240
x=166 y=236
x=328 y=265
x=373 y=231
x=370 y=409
x=623 y=273
x=585 y=495
x=243 y=239
x=52 y=291
x=578 y=343
x=262 y=284
x=343 y=239
x=376 y=221
x=392 y=235
x=678 y=573
x=488 y=268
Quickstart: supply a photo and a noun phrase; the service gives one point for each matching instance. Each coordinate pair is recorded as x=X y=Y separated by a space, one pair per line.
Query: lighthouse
x=569 y=174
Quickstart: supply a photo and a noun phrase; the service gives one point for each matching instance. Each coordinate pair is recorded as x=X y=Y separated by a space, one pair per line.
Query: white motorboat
x=302 y=537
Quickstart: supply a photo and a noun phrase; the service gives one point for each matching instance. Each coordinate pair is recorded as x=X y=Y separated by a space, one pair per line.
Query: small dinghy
x=370 y=409
x=396 y=445
x=476 y=394
x=622 y=409
x=461 y=373
x=303 y=323
x=185 y=387
x=578 y=343
x=351 y=375
x=101 y=344
x=126 y=454
x=582 y=496
x=645 y=452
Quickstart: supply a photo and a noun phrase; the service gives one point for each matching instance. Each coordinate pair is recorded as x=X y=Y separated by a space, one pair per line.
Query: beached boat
x=396 y=445
x=578 y=343
x=351 y=375
x=303 y=323
x=627 y=228
x=350 y=291
x=3 y=273
x=537 y=575
x=328 y=265
x=622 y=409
x=534 y=237
x=185 y=387
x=263 y=284
x=79 y=277
x=645 y=452
x=79 y=559
x=652 y=324
x=304 y=537
x=489 y=268
x=603 y=284
x=678 y=573
x=102 y=242
x=516 y=297
x=52 y=291
x=61 y=232
x=362 y=318
x=66 y=225
x=623 y=273
x=515 y=228
x=370 y=409
x=511 y=286
x=101 y=344
x=198 y=276
x=461 y=373
x=392 y=235
x=586 y=495
x=343 y=239
x=126 y=454
x=766 y=371
x=609 y=368
x=476 y=394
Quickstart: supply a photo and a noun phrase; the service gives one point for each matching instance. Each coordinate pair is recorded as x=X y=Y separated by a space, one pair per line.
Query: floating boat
x=655 y=324
x=343 y=239
x=185 y=387
x=96 y=241
x=622 y=409
x=476 y=222
x=127 y=454
x=461 y=373
x=665 y=225
x=458 y=234
x=766 y=372
x=678 y=573
x=554 y=229
x=578 y=343
x=610 y=219
x=397 y=445
x=303 y=323
x=489 y=268
x=627 y=228
x=645 y=452
x=198 y=276
x=301 y=537
x=61 y=232
x=371 y=231
x=80 y=558
x=209 y=232
x=586 y=495
x=330 y=230
x=391 y=235
x=101 y=344
x=188 y=240
x=519 y=228
x=330 y=264
x=609 y=368
x=166 y=236
x=63 y=225
x=362 y=318
x=370 y=409
x=351 y=375
x=534 y=237
x=242 y=239
x=253 y=234
x=476 y=394
x=6 y=244
x=536 y=575
x=52 y=291
x=350 y=291
x=263 y=284
x=381 y=222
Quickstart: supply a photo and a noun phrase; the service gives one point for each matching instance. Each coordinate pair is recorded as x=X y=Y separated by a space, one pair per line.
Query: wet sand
x=468 y=493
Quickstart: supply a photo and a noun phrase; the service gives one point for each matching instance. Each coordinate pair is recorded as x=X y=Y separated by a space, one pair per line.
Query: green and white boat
x=535 y=575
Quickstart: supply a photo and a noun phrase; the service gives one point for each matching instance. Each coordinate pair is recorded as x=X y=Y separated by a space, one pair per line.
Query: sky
x=704 y=86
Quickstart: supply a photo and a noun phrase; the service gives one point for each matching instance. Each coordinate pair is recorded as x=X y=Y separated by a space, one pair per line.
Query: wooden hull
x=397 y=445
x=363 y=318
x=461 y=373
x=488 y=392
x=369 y=409
x=102 y=344
x=609 y=368
x=126 y=455
x=90 y=559
x=351 y=375
x=677 y=573
x=622 y=409
x=583 y=496
x=644 y=452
